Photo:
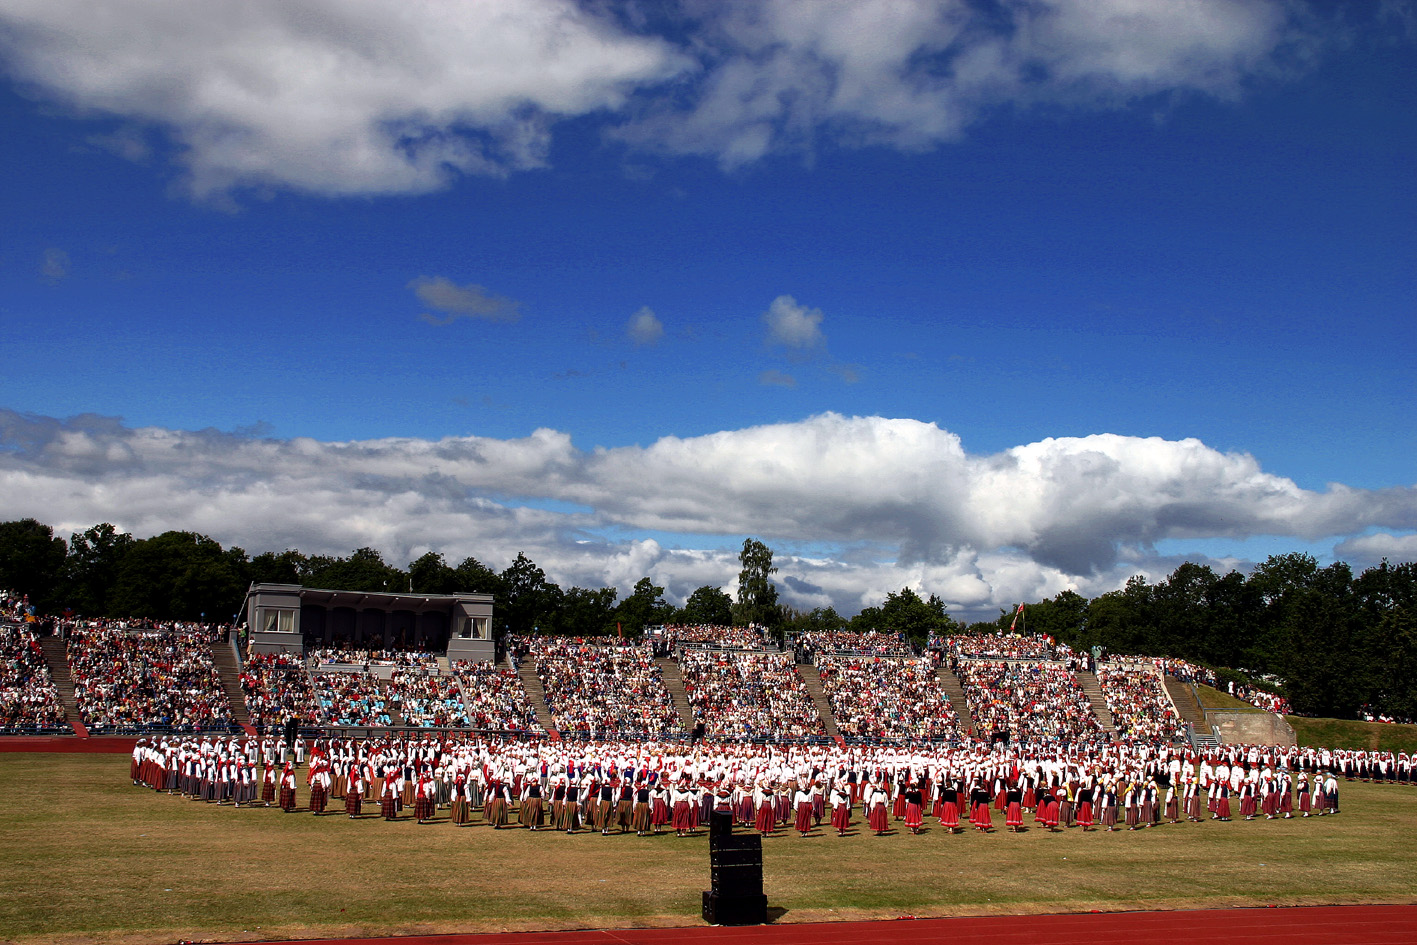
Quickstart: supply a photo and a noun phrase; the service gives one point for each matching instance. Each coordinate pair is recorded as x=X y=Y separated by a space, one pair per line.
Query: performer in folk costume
x=625 y=804
x=499 y=799
x=763 y=802
x=460 y=812
x=641 y=816
x=948 y=804
x=571 y=809
x=287 y=788
x=841 y=807
x=914 y=807
x=354 y=792
x=1302 y=789
x=681 y=801
x=802 y=803
x=979 y=813
x=605 y=799
x=877 y=811
x=1013 y=808
x=423 y=798
x=268 y=785
x=530 y=814
x=318 y=779
x=389 y=794
x=1107 y=805
x=1085 y=794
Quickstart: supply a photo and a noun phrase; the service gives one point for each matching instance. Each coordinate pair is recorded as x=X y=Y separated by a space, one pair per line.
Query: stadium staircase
x=535 y=694
x=391 y=708
x=228 y=667
x=1093 y=690
x=1188 y=707
x=674 y=685
x=950 y=686
x=812 y=677
x=1183 y=699
x=56 y=657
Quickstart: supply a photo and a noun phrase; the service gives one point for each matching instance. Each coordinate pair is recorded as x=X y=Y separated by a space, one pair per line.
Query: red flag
x=1014 y=622
x=619 y=630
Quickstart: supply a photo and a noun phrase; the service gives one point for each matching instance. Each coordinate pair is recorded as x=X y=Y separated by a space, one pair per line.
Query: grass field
x=90 y=858
x=1345 y=733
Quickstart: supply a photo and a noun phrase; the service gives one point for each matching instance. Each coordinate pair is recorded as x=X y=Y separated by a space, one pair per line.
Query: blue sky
x=869 y=282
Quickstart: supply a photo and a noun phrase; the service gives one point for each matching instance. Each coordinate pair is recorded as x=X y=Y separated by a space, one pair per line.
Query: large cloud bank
x=869 y=504
x=367 y=96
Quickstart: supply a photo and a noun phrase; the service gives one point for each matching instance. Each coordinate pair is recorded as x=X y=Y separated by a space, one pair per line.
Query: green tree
x=905 y=613
x=92 y=568
x=430 y=574
x=529 y=602
x=287 y=567
x=587 y=612
x=708 y=605
x=645 y=607
x=179 y=576
x=757 y=595
x=474 y=577
x=31 y=560
x=819 y=619
x=364 y=570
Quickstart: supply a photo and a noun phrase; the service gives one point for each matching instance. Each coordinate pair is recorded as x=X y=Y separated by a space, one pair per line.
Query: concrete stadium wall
x=1250 y=728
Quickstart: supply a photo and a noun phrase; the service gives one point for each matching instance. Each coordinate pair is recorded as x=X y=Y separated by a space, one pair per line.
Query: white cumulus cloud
x=898 y=502
x=644 y=327
x=366 y=96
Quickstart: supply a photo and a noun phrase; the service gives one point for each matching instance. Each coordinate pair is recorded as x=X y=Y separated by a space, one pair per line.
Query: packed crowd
x=28 y=699
x=1262 y=699
x=594 y=688
x=496 y=698
x=162 y=675
x=748 y=695
x=1188 y=672
x=277 y=687
x=866 y=643
x=893 y=699
x=1138 y=702
x=614 y=787
x=1032 y=702
x=352 y=656
x=711 y=635
x=350 y=699
x=428 y=700
x=1005 y=646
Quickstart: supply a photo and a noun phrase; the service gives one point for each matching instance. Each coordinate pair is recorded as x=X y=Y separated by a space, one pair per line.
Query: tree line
x=1334 y=642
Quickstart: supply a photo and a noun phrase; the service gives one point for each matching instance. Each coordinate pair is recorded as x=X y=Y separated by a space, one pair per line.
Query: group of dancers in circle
x=616 y=787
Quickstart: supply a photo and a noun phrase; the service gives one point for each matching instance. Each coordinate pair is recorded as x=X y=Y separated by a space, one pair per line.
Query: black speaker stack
x=736 y=862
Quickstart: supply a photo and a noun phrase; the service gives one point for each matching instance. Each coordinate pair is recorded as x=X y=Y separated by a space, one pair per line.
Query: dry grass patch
x=90 y=858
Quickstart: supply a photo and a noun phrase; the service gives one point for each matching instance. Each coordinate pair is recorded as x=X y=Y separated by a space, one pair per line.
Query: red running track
x=68 y=744
x=1349 y=925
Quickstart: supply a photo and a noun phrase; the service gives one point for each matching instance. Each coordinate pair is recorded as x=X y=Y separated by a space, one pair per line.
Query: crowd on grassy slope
x=746 y=695
x=28 y=699
x=1138 y=702
x=128 y=676
x=1031 y=701
x=862 y=643
x=713 y=636
x=885 y=698
x=599 y=687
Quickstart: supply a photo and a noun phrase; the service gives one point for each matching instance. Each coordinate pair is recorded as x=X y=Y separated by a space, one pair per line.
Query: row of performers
x=649 y=804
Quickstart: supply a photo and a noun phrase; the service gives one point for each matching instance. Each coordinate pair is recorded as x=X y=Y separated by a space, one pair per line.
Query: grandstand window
x=274 y=620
